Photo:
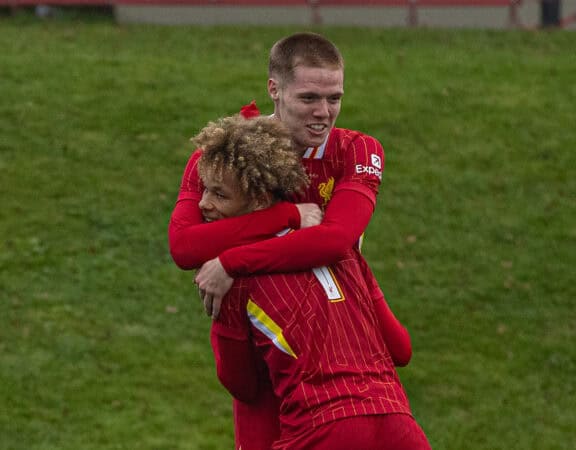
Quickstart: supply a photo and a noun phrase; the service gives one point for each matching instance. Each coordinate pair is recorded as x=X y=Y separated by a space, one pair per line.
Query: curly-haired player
x=257 y=152
x=313 y=337
x=306 y=85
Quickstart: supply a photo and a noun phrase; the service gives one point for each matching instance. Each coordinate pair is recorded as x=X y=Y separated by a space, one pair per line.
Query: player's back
x=319 y=337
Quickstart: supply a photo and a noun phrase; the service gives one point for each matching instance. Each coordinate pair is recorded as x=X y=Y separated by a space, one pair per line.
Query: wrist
x=291 y=212
x=295 y=218
x=226 y=264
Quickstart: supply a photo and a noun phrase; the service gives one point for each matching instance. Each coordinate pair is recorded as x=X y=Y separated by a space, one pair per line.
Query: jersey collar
x=316 y=152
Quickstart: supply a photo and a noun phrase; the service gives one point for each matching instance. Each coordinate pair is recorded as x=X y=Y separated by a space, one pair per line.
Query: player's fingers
x=216 y=303
x=208 y=299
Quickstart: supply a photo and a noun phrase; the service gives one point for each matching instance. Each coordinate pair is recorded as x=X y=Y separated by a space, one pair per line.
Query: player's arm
x=236 y=365
x=346 y=218
x=347 y=215
x=193 y=242
x=395 y=335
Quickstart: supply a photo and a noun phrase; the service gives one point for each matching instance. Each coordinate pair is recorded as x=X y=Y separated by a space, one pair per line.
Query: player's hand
x=310 y=214
x=213 y=283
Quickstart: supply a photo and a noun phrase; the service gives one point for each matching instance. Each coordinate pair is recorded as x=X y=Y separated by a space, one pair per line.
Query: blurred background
x=379 y=13
x=103 y=340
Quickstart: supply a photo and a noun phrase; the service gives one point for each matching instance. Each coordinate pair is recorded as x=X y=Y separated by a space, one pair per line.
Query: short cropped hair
x=257 y=150
x=302 y=49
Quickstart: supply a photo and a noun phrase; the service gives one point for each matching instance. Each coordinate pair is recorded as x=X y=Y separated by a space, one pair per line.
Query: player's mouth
x=317 y=128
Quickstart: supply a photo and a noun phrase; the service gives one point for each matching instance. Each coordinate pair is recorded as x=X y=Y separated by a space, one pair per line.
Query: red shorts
x=374 y=432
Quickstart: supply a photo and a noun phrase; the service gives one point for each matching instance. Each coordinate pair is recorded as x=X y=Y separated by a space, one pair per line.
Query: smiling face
x=222 y=197
x=309 y=103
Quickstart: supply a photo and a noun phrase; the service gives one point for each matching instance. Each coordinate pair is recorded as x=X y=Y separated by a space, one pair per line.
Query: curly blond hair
x=258 y=151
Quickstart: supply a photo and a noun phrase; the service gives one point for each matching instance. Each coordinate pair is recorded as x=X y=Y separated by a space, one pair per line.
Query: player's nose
x=322 y=108
x=204 y=203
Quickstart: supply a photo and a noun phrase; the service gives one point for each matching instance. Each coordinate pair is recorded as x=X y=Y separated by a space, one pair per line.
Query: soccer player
x=315 y=332
x=306 y=84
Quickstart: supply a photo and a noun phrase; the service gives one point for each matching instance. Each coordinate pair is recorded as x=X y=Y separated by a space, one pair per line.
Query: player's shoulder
x=346 y=137
x=352 y=145
x=196 y=154
x=193 y=159
x=191 y=179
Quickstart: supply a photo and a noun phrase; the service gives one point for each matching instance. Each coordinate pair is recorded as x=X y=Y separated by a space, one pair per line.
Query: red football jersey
x=192 y=242
x=347 y=169
x=318 y=333
x=348 y=161
x=345 y=175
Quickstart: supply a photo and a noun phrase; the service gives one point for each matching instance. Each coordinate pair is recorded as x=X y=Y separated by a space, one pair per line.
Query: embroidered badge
x=325 y=190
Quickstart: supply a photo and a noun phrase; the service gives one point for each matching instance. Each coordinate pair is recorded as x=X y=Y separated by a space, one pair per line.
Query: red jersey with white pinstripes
x=318 y=334
x=348 y=160
x=346 y=157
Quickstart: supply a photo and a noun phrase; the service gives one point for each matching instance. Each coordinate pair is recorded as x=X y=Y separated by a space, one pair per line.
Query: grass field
x=103 y=344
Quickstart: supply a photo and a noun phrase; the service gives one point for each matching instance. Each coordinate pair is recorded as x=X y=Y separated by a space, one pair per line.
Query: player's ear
x=273 y=89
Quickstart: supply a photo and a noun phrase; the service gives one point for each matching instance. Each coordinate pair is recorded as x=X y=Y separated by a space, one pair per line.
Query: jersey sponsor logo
x=360 y=169
x=374 y=169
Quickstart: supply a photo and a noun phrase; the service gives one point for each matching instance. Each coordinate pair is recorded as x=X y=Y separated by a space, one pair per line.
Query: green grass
x=103 y=344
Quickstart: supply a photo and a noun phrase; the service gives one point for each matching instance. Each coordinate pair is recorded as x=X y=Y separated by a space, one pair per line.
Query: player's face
x=309 y=104
x=224 y=198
